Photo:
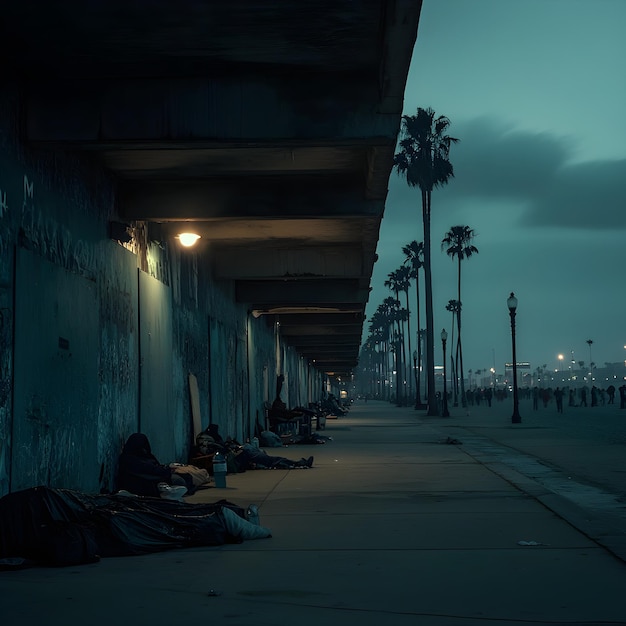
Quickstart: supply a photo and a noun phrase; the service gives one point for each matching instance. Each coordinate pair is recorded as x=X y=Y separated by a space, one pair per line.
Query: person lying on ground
x=250 y=457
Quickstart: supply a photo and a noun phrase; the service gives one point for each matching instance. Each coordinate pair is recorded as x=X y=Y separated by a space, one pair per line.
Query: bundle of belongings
x=61 y=527
x=242 y=457
x=140 y=472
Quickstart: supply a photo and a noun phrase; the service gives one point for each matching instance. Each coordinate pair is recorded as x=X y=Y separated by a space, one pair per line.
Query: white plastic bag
x=241 y=528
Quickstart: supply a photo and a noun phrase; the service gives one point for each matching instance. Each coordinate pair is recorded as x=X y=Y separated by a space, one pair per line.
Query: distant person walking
x=558 y=396
x=611 y=391
x=583 y=396
x=535 y=398
x=622 y=397
x=572 y=398
x=594 y=396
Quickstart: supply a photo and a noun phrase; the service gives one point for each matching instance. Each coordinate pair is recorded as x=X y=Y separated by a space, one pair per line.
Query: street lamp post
x=561 y=357
x=512 y=304
x=589 y=342
x=444 y=338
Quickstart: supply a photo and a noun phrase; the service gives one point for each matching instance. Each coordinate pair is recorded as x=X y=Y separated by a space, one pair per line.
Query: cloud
x=586 y=196
x=498 y=164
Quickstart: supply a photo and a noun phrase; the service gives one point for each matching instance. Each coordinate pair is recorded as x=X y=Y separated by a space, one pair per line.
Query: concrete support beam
x=320 y=331
x=113 y=112
x=259 y=294
x=287 y=322
x=297 y=197
x=284 y=262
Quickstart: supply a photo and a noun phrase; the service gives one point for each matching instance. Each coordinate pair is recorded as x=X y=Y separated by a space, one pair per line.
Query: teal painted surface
x=156 y=400
x=223 y=397
x=56 y=377
x=118 y=408
x=64 y=419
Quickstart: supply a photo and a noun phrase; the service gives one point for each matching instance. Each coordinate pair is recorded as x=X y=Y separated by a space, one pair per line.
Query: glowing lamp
x=188 y=239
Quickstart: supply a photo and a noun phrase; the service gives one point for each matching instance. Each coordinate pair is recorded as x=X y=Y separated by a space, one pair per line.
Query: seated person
x=250 y=457
x=140 y=472
x=279 y=411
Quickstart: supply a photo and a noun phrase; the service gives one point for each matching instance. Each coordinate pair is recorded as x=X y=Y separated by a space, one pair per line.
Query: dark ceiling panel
x=267 y=127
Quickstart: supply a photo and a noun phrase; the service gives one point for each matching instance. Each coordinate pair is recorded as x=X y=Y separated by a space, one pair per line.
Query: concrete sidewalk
x=391 y=525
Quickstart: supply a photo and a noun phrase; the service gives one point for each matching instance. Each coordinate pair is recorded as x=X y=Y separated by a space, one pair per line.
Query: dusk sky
x=536 y=94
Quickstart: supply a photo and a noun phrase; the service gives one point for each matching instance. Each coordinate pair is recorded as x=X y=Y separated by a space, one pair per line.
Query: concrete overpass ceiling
x=131 y=37
x=267 y=127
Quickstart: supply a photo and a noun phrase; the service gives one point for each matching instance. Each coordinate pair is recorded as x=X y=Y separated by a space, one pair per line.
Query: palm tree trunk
x=386 y=369
x=433 y=409
x=455 y=381
x=408 y=326
x=458 y=338
x=398 y=344
x=418 y=403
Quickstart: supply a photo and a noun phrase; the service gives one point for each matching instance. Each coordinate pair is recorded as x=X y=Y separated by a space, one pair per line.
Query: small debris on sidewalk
x=452 y=441
x=531 y=543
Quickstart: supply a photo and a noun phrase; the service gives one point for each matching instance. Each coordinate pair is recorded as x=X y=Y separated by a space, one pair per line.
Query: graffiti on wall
x=44 y=234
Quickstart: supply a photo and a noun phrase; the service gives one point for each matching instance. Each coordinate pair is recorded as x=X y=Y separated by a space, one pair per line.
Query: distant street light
x=589 y=342
x=561 y=357
x=444 y=338
x=511 y=302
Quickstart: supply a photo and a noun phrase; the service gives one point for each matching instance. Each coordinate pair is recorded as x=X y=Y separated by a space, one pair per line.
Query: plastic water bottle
x=219 y=470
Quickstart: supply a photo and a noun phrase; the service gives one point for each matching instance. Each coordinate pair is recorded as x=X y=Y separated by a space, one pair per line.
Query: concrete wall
x=97 y=339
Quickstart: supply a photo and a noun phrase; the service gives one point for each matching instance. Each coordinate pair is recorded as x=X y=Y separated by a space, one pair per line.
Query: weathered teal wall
x=105 y=335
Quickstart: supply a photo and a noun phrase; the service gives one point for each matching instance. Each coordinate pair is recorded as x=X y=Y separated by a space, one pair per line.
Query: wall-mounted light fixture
x=187 y=239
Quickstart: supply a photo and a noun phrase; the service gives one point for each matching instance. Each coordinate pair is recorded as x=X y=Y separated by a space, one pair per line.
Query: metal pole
x=445 y=412
x=516 y=417
x=417 y=389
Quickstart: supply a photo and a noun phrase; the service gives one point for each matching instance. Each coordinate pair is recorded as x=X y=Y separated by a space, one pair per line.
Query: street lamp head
x=511 y=302
x=444 y=335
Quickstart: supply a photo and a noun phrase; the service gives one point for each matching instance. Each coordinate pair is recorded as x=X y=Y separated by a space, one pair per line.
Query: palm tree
x=423 y=160
x=391 y=307
x=414 y=258
x=399 y=281
x=380 y=330
x=414 y=253
x=393 y=282
x=454 y=306
x=458 y=243
x=403 y=276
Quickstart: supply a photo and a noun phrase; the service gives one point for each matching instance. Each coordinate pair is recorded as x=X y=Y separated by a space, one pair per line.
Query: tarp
x=120 y=524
